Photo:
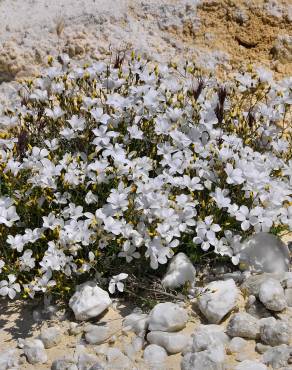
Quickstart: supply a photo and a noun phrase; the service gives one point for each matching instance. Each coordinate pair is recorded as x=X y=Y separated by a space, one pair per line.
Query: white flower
x=162 y=125
x=234 y=175
x=54 y=113
x=91 y=198
x=102 y=136
x=174 y=114
x=27 y=262
x=280 y=145
x=37 y=154
x=51 y=221
x=220 y=198
x=118 y=198
x=53 y=259
x=246 y=81
x=247 y=217
x=41 y=284
x=57 y=88
x=39 y=94
x=117 y=101
x=68 y=133
x=77 y=123
x=129 y=251
x=115 y=282
x=151 y=99
x=158 y=252
x=13 y=166
x=206 y=233
x=112 y=225
x=16 y=242
x=52 y=144
x=8 y=213
x=62 y=198
x=31 y=236
x=135 y=132
x=265 y=75
x=193 y=183
x=235 y=259
x=180 y=138
x=98 y=115
x=73 y=211
x=9 y=287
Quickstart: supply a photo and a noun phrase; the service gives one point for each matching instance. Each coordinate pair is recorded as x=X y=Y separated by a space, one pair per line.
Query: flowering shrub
x=125 y=164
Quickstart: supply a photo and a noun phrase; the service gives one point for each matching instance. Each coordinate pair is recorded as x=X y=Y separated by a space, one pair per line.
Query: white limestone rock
x=282 y=49
x=9 y=359
x=180 y=271
x=86 y=360
x=264 y=252
x=253 y=282
x=34 y=351
x=138 y=343
x=208 y=336
x=218 y=300
x=74 y=328
x=117 y=360
x=172 y=342
x=289 y=282
x=278 y=357
x=288 y=296
x=271 y=294
x=135 y=346
x=97 y=366
x=97 y=334
x=167 y=317
x=136 y=322
x=211 y=359
x=89 y=301
x=243 y=325
x=255 y=308
x=64 y=364
x=154 y=355
x=251 y=365
x=275 y=332
x=101 y=349
x=236 y=345
x=261 y=348
x=51 y=337
x=243 y=355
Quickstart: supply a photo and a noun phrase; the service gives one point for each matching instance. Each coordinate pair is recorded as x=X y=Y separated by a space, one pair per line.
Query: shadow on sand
x=16 y=319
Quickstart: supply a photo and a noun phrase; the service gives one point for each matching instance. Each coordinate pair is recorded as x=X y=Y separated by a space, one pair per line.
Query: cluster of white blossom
x=131 y=162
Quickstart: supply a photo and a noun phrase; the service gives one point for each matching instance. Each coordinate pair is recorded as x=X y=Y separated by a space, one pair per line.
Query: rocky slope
x=228 y=33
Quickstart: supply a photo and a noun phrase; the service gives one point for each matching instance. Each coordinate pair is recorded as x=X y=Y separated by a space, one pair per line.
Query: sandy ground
x=17 y=321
